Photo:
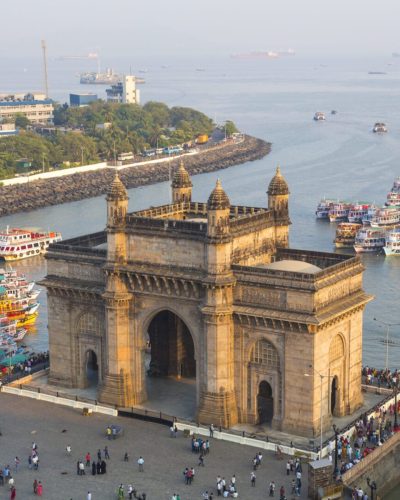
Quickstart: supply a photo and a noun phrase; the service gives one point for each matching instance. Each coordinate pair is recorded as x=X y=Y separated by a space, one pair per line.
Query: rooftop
x=293 y=266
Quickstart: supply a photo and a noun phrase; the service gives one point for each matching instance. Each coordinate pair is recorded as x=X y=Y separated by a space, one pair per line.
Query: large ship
x=346 y=234
x=16 y=244
x=369 y=240
x=392 y=246
x=393 y=197
x=386 y=217
x=97 y=78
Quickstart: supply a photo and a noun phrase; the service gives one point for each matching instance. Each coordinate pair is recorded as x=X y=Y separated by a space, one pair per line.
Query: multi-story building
x=35 y=106
x=124 y=92
x=82 y=99
x=7 y=129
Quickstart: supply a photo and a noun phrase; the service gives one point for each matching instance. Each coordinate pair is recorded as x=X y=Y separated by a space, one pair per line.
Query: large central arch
x=170 y=365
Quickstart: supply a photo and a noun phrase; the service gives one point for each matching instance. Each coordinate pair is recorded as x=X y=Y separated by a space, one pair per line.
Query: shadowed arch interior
x=92 y=368
x=171 y=347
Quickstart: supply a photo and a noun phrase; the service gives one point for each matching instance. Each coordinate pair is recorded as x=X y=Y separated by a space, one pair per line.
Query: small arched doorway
x=92 y=368
x=333 y=394
x=265 y=403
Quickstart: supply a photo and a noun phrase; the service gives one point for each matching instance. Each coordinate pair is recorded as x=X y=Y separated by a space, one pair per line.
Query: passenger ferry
x=386 y=217
x=358 y=211
x=393 y=197
x=379 y=127
x=16 y=244
x=369 y=240
x=319 y=116
x=366 y=220
x=346 y=234
x=392 y=246
x=323 y=208
x=339 y=212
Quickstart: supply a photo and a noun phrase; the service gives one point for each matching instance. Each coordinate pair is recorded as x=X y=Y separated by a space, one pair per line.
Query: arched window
x=265 y=353
x=89 y=324
x=336 y=350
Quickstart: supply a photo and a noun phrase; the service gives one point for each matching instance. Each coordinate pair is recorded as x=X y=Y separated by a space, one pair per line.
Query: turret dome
x=278 y=184
x=117 y=190
x=218 y=198
x=181 y=177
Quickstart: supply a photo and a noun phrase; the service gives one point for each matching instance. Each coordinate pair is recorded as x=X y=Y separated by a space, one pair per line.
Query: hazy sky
x=174 y=27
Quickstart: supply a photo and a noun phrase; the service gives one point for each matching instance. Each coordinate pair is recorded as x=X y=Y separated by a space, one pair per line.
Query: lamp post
x=320 y=405
x=372 y=486
x=336 y=470
x=387 y=326
x=396 y=386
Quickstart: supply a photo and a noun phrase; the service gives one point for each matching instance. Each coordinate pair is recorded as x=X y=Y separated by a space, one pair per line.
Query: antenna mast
x=44 y=49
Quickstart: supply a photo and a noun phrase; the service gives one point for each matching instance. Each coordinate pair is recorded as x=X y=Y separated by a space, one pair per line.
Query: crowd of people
x=386 y=378
x=26 y=367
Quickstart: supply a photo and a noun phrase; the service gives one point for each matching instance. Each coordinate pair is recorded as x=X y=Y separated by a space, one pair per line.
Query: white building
x=35 y=106
x=124 y=92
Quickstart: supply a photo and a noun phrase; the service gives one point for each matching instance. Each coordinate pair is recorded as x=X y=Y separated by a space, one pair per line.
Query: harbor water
x=275 y=100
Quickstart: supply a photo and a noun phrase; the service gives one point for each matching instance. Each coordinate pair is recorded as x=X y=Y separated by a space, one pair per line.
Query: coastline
x=78 y=186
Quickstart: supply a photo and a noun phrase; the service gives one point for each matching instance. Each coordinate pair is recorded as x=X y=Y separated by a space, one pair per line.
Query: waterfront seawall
x=77 y=186
x=381 y=466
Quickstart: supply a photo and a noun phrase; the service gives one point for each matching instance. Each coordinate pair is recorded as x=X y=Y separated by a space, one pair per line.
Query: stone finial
x=218 y=198
x=181 y=177
x=117 y=190
x=278 y=184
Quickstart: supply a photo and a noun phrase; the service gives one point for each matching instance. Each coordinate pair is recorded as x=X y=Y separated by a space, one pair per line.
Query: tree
x=21 y=121
x=230 y=128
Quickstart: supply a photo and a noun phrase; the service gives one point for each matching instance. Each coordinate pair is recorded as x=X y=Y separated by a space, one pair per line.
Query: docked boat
x=366 y=220
x=369 y=240
x=386 y=217
x=346 y=234
x=392 y=246
x=319 y=116
x=339 y=212
x=358 y=212
x=379 y=127
x=393 y=197
x=323 y=208
x=16 y=244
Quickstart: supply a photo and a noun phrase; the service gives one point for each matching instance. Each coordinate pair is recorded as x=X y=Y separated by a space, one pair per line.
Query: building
x=270 y=334
x=36 y=107
x=82 y=99
x=124 y=92
x=7 y=130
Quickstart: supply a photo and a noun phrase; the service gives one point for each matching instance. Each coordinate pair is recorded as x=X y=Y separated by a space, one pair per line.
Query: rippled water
x=274 y=100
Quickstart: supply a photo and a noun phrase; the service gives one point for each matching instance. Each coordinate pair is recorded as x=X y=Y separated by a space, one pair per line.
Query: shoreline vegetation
x=55 y=191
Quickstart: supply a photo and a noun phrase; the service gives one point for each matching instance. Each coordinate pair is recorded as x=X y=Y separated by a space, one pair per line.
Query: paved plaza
x=53 y=427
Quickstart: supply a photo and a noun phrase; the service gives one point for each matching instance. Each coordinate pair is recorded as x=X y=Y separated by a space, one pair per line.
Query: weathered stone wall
x=42 y=193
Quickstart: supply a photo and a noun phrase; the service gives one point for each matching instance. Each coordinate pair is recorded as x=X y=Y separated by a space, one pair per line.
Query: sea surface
x=274 y=100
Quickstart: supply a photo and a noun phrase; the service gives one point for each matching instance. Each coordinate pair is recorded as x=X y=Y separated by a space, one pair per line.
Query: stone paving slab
x=23 y=420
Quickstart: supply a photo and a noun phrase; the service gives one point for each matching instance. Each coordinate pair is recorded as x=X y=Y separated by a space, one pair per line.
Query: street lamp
x=320 y=416
x=388 y=326
x=373 y=487
x=396 y=387
x=336 y=470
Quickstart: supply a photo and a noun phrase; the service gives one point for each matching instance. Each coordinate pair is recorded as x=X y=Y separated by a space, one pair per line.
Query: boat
x=97 y=78
x=392 y=246
x=339 y=212
x=379 y=127
x=366 y=219
x=16 y=244
x=393 y=197
x=386 y=217
x=333 y=112
x=369 y=240
x=319 y=116
x=346 y=234
x=358 y=211
x=323 y=208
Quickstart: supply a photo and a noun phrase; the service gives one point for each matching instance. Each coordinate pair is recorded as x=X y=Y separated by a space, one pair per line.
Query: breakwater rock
x=74 y=187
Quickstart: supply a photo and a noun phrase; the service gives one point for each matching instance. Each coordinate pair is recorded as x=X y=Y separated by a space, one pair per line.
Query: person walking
x=13 y=493
x=126 y=457
x=68 y=449
x=109 y=432
x=211 y=429
x=141 y=464
x=272 y=489
x=130 y=492
x=201 y=460
x=121 y=494
x=253 y=478
x=93 y=468
x=88 y=459
x=35 y=485
x=40 y=489
x=99 y=455
x=106 y=454
x=89 y=496
x=288 y=468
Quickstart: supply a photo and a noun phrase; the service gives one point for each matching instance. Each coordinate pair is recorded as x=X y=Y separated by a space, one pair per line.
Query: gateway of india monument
x=209 y=291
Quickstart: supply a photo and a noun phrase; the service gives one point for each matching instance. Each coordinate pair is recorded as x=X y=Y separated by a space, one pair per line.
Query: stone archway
x=91 y=368
x=337 y=360
x=170 y=366
x=334 y=389
x=265 y=403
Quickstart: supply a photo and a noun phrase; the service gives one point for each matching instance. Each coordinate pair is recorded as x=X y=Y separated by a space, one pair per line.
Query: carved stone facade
x=217 y=293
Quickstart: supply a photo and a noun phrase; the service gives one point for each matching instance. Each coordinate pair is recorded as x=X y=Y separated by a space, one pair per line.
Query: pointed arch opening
x=92 y=368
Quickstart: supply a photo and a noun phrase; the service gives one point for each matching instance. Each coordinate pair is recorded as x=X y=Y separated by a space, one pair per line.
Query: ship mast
x=46 y=85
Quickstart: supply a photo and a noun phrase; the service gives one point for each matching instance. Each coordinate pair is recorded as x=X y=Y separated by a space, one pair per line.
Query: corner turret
x=278 y=202
x=218 y=209
x=117 y=206
x=181 y=185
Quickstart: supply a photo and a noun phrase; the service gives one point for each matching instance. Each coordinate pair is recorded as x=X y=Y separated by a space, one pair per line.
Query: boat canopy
x=14 y=360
